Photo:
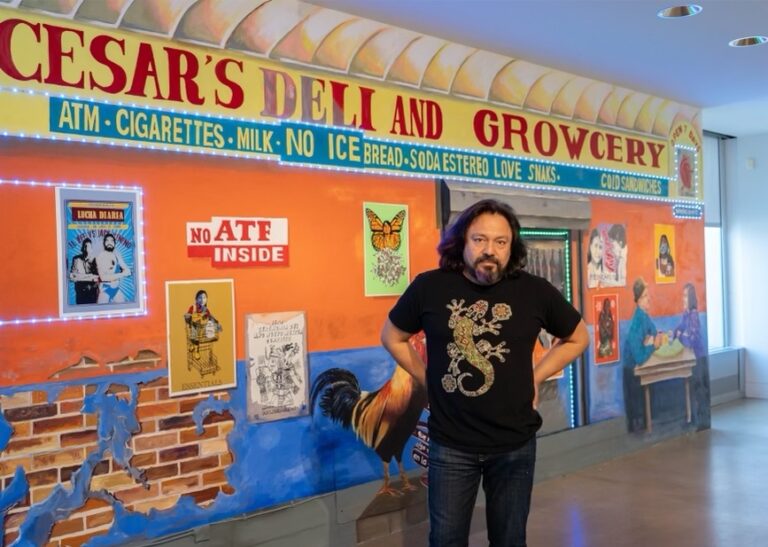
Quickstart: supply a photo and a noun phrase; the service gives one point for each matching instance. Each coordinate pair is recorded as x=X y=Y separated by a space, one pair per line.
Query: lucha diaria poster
x=100 y=251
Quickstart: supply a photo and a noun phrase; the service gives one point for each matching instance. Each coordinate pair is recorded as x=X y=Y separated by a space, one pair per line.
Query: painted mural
x=131 y=409
x=655 y=374
x=94 y=405
x=117 y=459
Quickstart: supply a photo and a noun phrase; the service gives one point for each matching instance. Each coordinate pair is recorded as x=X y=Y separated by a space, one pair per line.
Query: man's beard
x=109 y=247
x=486 y=270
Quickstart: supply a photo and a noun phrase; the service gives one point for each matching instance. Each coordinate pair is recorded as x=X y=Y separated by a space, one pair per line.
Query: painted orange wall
x=324 y=278
x=639 y=218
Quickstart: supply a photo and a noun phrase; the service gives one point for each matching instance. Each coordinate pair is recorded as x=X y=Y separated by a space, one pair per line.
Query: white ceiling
x=618 y=41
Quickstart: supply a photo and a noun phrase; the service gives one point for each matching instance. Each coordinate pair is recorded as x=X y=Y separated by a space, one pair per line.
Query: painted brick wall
x=52 y=438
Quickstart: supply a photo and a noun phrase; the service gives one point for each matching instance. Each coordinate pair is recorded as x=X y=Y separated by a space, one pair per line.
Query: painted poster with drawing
x=385 y=248
x=201 y=339
x=276 y=350
x=607 y=256
x=100 y=255
x=664 y=238
x=605 y=309
x=685 y=169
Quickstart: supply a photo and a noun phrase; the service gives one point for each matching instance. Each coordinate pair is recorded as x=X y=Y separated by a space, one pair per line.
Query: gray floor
x=705 y=489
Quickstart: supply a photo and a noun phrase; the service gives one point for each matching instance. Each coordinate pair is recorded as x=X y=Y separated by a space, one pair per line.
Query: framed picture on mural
x=605 y=308
x=200 y=318
x=385 y=249
x=276 y=353
x=607 y=252
x=100 y=251
x=664 y=240
x=685 y=169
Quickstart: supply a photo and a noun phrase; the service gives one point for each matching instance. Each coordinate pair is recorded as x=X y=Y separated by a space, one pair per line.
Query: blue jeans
x=454 y=476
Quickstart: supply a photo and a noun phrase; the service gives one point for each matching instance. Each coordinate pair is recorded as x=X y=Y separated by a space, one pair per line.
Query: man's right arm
x=396 y=342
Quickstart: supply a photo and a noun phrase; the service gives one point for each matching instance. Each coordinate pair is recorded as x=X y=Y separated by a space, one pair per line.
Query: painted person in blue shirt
x=641 y=341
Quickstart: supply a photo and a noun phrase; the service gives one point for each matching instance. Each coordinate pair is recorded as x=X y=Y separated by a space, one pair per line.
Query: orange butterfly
x=385 y=234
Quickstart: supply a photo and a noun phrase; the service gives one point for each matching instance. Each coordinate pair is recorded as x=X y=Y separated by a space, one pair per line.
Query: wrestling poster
x=100 y=252
x=200 y=317
x=276 y=350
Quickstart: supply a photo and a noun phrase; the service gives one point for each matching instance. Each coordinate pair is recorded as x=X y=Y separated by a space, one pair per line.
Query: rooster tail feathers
x=338 y=391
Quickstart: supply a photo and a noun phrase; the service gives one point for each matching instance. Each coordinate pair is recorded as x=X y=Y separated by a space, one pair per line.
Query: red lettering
x=366 y=122
x=521 y=129
x=55 y=54
x=614 y=147
x=6 y=59
x=538 y=138
x=486 y=120
x=337 y=92
x=176 y=76
x=573 y=144
x=270 y=94
x=655 y=150
x=244 y=226
x=434 y=120
x=398 y=121
x=635 y=151
x=98 y=49
x=200 y=235
x=310 y=98
x=416 y=108
x=145 y=68
x=425 y=118
x=265 y=227
x=594 y=144
x=225 y=230
x=238 y=97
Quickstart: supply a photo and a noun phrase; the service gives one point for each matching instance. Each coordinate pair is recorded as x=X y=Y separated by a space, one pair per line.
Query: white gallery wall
x=746 y=233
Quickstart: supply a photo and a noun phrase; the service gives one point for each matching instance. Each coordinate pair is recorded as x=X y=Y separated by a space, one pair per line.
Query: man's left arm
x=125 y=271
x=565 y=351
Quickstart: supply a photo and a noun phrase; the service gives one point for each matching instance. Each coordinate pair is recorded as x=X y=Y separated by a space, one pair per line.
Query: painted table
x=659 y=369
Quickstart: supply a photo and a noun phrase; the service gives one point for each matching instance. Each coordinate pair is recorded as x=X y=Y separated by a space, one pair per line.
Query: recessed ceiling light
x=679 y=11
x=748 y=41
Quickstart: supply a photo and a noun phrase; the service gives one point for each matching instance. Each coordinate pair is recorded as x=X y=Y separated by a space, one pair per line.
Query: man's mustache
x=487 y=258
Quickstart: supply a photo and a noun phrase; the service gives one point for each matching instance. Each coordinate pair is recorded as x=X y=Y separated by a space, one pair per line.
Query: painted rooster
x=383 y=419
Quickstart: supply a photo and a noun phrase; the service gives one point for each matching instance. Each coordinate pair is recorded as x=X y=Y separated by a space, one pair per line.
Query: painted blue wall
x=273 y=463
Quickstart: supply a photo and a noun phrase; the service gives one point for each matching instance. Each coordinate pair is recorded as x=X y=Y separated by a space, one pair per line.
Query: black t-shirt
x=480 y=343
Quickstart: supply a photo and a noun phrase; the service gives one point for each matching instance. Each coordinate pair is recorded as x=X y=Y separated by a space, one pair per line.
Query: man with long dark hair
x=481 y=313
x=84 y=274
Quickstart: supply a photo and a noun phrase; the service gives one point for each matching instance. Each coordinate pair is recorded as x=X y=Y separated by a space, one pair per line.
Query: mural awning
x=293 y=31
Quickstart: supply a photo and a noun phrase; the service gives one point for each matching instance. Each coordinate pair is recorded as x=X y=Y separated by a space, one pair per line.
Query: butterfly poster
x=385 y=244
